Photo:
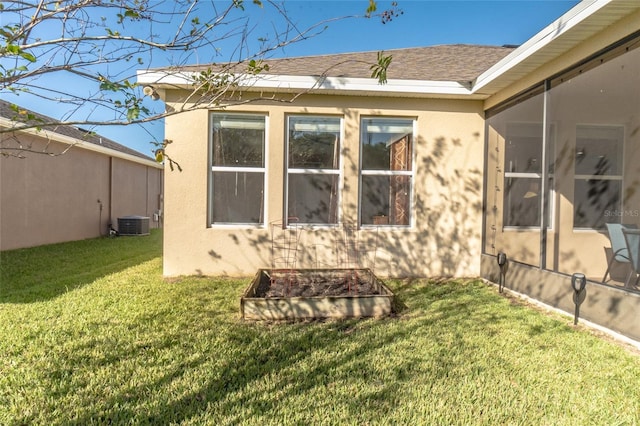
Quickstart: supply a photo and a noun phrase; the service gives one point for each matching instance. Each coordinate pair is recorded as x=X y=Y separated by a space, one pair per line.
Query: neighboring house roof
x=71 y=135
x=456 y=71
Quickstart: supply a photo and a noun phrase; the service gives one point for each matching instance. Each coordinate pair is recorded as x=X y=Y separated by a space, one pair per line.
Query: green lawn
x=91 y=334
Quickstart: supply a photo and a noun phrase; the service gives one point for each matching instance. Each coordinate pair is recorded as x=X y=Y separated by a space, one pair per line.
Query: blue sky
x=423 y=23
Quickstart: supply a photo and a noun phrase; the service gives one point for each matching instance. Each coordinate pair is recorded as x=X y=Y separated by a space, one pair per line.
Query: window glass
x=380 y=144
x=594 y=200
x=523 y=148
x=313 y=142
x=523 y=174
x=522 y=202
x=313 y=198
x=237 y=197
x=386 y=200
x=313 y=149
x=599 y=150
x=386 y=182
x=237 y=169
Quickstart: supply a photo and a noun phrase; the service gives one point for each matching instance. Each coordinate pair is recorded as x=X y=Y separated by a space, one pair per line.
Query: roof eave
x=321 y=85
x=554 y=40
x=581 y=22
x=68 y=140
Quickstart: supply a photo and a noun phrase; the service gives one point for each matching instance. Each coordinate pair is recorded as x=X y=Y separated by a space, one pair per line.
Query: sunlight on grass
x=120 y=345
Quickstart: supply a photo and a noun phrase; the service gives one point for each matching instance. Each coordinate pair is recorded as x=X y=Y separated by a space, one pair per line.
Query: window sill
x=524 y=229
x=237 y=226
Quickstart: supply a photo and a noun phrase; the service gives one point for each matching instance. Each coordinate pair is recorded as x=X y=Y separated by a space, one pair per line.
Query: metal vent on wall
x=133 y=225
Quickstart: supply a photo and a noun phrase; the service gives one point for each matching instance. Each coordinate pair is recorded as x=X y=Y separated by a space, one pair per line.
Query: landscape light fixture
x=578 y=283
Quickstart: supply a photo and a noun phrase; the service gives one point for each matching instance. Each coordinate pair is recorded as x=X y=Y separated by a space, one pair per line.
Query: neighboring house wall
x=49 y=199
x=137 y=191
x=445 y=232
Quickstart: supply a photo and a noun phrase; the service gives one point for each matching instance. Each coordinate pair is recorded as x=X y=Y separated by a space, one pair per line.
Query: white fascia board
x=290 y=83
x=352 y=84
x=550 y=33
x=57 y=137
x=168 y=78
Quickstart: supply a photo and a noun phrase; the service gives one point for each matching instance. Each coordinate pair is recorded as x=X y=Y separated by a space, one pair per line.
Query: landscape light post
x=501 y=258
x=579 y=283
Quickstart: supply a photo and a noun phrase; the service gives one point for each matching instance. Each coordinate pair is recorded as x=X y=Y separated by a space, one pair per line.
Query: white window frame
x=411 y=173
x=213 y=169
x=325 y=172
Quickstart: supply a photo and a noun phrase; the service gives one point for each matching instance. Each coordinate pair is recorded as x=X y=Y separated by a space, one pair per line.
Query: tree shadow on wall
x=446 y=210
x=448 y=214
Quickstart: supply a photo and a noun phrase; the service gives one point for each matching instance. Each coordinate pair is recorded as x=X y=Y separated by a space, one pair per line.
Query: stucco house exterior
x=442 y=174
x=465 y=152
x=82 y=184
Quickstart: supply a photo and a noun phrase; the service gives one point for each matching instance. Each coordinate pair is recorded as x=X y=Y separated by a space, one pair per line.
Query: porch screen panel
x=237 y=169
x=386 y=171
x=313 y=172
x=597 y=114
x=514 y=181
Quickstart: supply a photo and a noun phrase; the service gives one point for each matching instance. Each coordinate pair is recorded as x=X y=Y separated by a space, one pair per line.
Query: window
x=237 y=169
x=386 y=171
x=313 y=171
x=598 y=176
x=523 y=175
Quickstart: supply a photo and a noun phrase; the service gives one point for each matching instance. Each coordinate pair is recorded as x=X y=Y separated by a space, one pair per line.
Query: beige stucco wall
x=50 y=199
x=444 y=239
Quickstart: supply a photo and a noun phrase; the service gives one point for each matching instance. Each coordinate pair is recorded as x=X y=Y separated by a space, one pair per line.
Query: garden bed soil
x=312 y=285
x=330 y=293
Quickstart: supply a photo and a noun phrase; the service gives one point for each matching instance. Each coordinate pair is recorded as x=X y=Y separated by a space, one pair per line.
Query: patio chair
x=618 y=245
x=632 y=238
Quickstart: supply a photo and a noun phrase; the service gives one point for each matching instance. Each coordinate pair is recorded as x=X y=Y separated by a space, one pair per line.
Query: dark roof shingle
x=457 y=62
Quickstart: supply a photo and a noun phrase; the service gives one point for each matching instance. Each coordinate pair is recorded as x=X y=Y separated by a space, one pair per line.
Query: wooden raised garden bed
x=315 y=293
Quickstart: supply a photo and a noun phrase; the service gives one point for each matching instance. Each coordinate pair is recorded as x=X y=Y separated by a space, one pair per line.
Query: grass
x=92 y=334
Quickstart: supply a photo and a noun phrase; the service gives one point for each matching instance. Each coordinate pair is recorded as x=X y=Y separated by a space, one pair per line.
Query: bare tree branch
x=103 y=43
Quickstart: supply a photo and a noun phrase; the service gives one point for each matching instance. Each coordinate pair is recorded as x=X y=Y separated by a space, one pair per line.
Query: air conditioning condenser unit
x=133 y=225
